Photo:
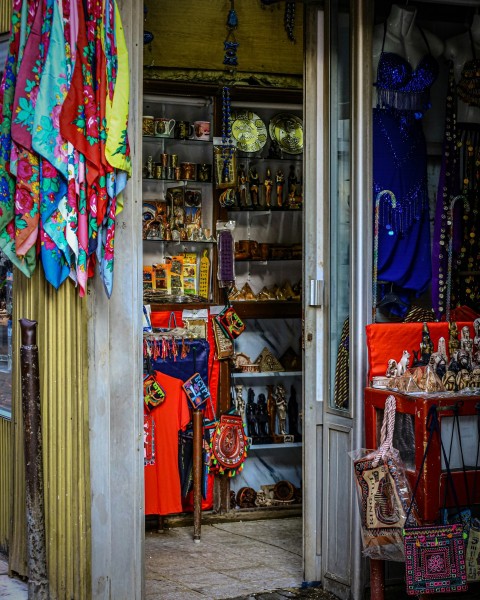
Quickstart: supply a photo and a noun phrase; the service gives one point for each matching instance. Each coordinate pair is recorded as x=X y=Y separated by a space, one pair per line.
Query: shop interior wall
x=190 y=36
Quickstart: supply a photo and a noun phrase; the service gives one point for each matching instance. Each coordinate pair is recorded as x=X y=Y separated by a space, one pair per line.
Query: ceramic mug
x=183 y=130
x=164 y=126
x=202 y=130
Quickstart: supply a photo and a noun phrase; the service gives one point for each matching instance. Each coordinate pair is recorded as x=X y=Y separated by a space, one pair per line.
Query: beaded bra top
x=401 y=87
x=468 y=88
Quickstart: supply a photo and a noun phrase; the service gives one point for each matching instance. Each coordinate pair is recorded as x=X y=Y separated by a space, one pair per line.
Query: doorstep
x=154 y=522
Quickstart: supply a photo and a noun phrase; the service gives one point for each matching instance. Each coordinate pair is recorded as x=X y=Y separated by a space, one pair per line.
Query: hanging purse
x=229 y=446
x=434 y=554
x=230 y=322
x=383 y=493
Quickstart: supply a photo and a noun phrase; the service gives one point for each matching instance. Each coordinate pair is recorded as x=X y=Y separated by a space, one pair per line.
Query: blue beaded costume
x=400 y=175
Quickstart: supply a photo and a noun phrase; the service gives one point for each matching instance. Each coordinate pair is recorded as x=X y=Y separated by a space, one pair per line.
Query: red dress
x=162 y=478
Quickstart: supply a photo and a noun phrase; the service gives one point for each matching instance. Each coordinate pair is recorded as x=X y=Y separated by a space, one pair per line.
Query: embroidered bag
x=383 y=493
x=435 y=554
x=197 y=391
x=230 y=322
x=229 y=446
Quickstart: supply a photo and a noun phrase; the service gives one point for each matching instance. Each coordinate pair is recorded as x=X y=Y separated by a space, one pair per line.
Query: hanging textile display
x=65 y=156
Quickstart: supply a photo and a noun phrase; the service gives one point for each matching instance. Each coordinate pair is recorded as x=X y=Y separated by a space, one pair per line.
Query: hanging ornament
x=230 y=44
x=147 y=35
x=289 y=20
x=227 y=145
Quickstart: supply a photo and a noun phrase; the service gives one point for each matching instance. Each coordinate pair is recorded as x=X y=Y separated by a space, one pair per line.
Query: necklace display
x=456 y=248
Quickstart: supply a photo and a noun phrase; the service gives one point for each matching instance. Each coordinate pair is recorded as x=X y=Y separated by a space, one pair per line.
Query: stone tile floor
x=242 y=560
x=232 y=560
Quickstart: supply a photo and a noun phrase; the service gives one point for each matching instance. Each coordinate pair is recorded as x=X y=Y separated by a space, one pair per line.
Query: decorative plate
x=249 y=131
x=287 y=131
x=149 y=211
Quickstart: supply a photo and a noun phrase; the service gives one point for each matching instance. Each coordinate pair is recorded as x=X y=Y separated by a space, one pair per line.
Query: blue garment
x=400 y=174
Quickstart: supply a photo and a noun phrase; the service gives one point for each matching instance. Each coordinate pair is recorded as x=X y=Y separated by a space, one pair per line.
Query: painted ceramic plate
x=149 y=211
x=249 y=131
x=287 y=131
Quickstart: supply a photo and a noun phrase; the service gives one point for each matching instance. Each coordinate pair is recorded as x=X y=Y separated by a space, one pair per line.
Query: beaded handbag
x=435 y=554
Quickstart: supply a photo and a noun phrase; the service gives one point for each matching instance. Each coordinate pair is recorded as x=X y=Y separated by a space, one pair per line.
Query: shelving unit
x=178 y=194
x=274 y=324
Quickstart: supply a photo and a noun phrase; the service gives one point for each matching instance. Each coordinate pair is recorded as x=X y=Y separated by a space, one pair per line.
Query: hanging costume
x=163 y=493
x=402 y=234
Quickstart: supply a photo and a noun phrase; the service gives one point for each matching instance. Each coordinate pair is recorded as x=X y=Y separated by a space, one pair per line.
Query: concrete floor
x=232 y=560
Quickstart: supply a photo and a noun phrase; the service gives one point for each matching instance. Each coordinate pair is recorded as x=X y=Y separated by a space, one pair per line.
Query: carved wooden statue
x=281 y=404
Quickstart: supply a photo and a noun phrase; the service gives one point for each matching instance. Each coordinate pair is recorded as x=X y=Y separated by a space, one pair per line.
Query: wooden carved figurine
x=254 y=189
x=251 y=415
x=239 y=401
x=281 y=405
x=262 y=416
x=242 y=187
x=271 y=410
x=280 y=185
x=268 y=183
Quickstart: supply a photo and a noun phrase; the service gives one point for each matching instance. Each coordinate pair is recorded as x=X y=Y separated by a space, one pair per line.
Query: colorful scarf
x=64 y=153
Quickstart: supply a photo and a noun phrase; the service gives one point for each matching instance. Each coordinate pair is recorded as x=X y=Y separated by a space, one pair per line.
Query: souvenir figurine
x=476 y=339
x=254 y=189
x=476 y=360
x=242 y=187
x=268 y=183
x=403 y=363
x=449 y=381
x=463 y=379
x=280 y=184
x=442 y=348
x=391 y=368
x=463 y=360
x=426 y=345
x=281 y=405
x=466 y=342
x=292 y=185
x=271 y=409
x=453 y=342
x=251 y=415
x=239 y=402
x=262 y=418
x=475 y=378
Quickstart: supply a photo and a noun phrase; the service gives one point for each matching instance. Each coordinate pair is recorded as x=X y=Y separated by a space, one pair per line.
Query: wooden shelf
x=275 y=446
x=237 y=375
x=169 y=307
x=268 y=310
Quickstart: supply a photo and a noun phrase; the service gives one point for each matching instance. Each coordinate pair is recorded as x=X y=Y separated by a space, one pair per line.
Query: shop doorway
x=184 y=128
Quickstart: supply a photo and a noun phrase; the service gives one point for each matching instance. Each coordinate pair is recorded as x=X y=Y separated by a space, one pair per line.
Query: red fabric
x=162 y=479
x=161 y=319
x=389 y=340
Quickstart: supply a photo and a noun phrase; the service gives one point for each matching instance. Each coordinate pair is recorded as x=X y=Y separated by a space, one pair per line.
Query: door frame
x=332 y=544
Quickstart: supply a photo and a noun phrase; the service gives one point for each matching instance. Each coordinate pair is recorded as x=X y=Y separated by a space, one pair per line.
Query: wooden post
x=197 y=473
x=377 y=580
x=38 y=586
